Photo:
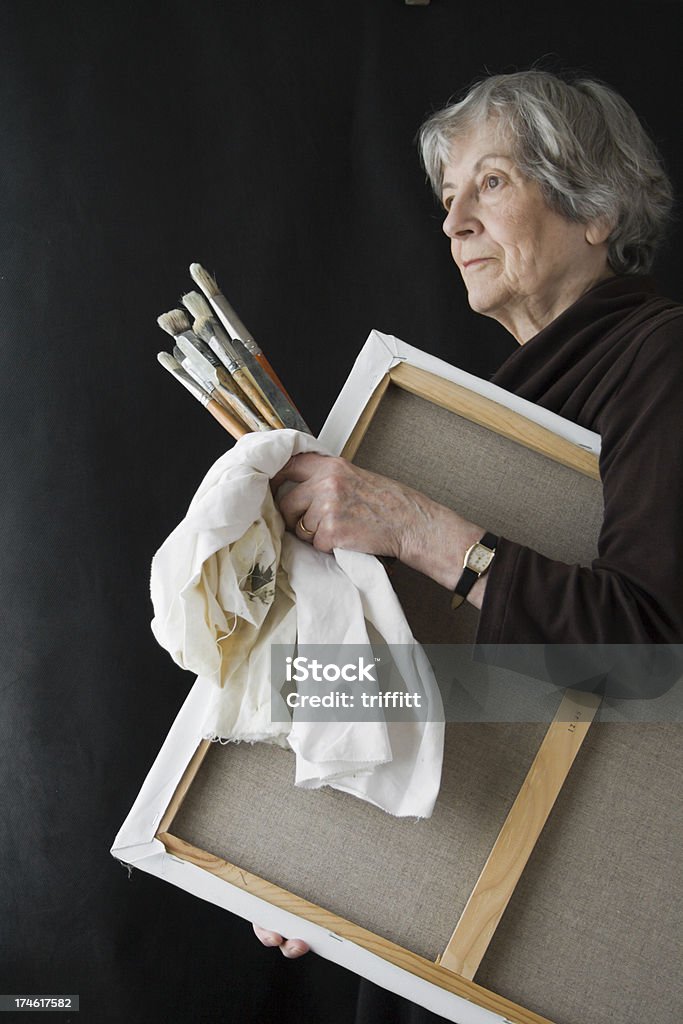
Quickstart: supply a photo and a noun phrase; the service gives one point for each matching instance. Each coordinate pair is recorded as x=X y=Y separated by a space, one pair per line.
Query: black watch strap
x=470 y=576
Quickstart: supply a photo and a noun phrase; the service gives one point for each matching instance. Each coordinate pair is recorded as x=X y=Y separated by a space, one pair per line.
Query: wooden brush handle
x=242 y=404
x=274 y=377
x=256 y=396
x=226 y=419
x=242 y=408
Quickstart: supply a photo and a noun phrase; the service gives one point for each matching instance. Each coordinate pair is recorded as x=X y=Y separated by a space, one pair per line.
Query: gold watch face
x=479 y=558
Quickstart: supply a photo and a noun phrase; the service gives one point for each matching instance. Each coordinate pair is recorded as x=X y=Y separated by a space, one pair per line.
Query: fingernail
x=292 y=950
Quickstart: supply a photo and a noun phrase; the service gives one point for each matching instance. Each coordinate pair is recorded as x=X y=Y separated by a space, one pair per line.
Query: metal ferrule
x=187 y=366
x=215 y=329
x=196 y=358
x=225 y=357
x=251 y=346
x=192 y=339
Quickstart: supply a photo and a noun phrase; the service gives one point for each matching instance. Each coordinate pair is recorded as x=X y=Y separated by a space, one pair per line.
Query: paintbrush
x=211 y=376
x=178 y=321
x=209 y=368
x=229 y=422
x=235 y=327
x=230 y=350
x=225 y=347
x=212 y=332
x=235 y=404
x=237 y=369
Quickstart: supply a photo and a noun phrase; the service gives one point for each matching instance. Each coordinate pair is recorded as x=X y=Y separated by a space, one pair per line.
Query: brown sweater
x=612 y=362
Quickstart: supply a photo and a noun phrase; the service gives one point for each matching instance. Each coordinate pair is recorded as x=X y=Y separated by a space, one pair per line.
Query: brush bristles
x=203 y=327
x=174 y=322
x=168 y=361
x=186 y=379
x=196 y=304
x=204 y=280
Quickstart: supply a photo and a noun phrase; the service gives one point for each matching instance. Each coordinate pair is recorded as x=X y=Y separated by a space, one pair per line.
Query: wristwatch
x=477 y=561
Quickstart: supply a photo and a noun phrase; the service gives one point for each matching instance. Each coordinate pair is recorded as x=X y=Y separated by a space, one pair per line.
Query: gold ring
x=300 y=524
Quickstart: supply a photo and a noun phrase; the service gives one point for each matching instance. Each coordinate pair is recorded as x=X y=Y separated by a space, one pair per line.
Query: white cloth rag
x=229 y=582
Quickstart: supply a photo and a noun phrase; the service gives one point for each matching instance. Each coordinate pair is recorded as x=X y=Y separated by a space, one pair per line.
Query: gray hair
x=584 y=146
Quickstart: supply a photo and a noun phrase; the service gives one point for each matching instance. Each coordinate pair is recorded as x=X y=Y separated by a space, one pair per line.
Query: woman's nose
x=460 y=219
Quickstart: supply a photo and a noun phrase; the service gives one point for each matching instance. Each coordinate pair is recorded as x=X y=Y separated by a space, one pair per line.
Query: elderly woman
x=555 y=200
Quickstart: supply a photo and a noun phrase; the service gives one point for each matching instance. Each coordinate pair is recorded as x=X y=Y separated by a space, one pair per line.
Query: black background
x=271 y=141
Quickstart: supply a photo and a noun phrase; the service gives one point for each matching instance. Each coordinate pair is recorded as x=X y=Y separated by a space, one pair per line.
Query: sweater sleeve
x=633 y=591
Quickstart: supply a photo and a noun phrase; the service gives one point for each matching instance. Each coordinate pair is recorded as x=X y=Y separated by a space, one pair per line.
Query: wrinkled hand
x=342 y=506
x=291 y=948
x=338 y=505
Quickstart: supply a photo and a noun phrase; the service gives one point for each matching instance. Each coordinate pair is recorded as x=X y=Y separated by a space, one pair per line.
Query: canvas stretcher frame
x=445 y=986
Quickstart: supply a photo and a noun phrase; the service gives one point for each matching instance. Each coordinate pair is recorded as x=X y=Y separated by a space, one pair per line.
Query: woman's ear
x=598 y=231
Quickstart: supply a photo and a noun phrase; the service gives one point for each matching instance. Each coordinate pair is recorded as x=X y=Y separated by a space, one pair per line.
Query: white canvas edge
x=326 y=944
x=135 y=844
x=381 y=352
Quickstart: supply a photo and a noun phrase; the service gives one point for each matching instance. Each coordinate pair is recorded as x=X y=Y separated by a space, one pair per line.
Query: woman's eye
x=492 y=181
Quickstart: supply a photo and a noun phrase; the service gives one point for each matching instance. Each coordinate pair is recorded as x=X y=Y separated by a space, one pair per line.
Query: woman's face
x=521 y=262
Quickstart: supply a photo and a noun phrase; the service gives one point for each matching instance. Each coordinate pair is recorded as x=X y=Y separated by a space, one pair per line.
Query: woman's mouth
x=479 y=261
